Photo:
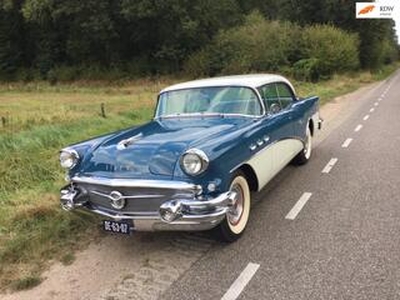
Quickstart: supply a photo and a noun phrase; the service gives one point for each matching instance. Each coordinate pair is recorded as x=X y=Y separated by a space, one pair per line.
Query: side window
x=270 y=97
x=285 y=95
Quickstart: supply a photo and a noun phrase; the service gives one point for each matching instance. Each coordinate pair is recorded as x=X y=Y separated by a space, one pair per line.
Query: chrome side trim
x=139 y=183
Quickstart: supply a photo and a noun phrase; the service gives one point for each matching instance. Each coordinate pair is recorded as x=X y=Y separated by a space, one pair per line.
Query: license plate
x=117 y=227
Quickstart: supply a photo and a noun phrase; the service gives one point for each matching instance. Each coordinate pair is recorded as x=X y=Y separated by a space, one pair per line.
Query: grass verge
x=36 y=121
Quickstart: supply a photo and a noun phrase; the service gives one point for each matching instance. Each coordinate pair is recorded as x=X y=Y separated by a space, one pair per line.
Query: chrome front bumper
x=187 y=214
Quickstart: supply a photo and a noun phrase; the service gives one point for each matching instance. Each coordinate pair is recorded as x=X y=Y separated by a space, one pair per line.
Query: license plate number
x=117 y=227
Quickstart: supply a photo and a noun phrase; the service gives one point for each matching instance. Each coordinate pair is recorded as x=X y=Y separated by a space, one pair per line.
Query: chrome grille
x=137 y=199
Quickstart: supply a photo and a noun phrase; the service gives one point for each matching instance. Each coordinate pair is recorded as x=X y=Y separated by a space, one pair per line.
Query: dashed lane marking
x=298 y=206
x=358 y=128
x=347 y=143
x=329 y=165
x=240 y=283
x=366 y=117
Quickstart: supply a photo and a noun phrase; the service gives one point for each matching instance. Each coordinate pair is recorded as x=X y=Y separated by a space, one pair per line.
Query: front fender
x=225 y=155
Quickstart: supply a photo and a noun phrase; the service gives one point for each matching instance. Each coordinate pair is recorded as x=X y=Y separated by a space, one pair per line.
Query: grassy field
x=36 y=121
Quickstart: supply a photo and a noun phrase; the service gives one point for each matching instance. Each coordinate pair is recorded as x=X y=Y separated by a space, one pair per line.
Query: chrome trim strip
x=124 y=216
x=220 y=115
x=264 y=109
x=125 y=197
x=139 y=183
x=185 y=219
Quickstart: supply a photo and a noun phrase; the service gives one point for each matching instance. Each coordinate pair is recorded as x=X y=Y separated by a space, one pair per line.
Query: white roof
x=251 y=80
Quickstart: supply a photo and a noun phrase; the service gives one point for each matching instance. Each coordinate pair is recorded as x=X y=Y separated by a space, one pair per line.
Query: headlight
x=194 y=162
x=68 y=158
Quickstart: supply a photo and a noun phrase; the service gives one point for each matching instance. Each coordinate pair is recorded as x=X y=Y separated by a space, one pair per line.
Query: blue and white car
x=193 y=167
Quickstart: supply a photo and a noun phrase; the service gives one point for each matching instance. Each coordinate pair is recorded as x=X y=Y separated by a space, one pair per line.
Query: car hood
x=153 y=150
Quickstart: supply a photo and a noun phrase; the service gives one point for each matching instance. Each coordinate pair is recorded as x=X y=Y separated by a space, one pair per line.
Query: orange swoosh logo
x=366 y=10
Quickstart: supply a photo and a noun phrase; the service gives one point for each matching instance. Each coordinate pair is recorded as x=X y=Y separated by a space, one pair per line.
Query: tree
x=11 y=38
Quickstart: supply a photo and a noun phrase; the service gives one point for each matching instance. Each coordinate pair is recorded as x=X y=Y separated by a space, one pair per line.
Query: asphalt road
x=342 y=241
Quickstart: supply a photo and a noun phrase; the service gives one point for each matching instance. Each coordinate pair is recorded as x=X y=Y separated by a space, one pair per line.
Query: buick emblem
x=117 y=200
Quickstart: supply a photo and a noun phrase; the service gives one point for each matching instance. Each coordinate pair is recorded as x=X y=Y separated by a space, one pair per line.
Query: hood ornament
x=127 y=142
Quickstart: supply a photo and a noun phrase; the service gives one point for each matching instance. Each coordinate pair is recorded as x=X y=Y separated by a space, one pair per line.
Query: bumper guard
x=176 y=214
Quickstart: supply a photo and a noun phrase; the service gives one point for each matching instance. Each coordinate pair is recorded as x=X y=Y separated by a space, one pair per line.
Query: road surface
x=327 y=230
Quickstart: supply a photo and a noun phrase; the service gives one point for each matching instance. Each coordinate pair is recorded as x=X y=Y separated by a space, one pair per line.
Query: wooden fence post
x=103 y=111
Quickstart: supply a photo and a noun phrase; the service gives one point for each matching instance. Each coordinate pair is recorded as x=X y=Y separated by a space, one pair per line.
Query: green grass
x=26 y=282
x=39 y=120
x=67 y=259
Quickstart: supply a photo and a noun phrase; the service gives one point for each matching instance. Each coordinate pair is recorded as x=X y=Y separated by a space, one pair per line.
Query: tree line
x=57 y=39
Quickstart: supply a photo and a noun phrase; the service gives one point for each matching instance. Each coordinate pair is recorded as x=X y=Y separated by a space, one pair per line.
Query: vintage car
x=193 y=167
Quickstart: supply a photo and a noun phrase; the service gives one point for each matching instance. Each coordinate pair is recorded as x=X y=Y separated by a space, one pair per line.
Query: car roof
x=250 y=80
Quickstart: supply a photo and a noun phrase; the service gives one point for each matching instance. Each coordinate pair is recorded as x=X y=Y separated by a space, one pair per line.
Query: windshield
x=209 y=101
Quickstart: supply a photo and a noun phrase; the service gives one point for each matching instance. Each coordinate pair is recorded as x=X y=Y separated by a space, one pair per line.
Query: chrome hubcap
x=235 y=213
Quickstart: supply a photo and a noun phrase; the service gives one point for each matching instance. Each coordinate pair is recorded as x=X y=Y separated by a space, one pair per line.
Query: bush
x=307 y=69
x=331 y=49
x=389 y=51
x=259 y=45
x=198 y=64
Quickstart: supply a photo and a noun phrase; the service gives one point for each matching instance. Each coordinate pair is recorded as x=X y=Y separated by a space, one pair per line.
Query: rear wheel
x=304 y=156
x=234 y=224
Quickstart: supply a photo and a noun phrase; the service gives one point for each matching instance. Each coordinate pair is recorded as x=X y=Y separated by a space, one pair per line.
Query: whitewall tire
x=233 y=226
x=304 y=156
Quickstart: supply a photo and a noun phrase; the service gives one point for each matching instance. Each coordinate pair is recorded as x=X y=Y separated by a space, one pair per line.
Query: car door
x=279 y=100
x=271 y=132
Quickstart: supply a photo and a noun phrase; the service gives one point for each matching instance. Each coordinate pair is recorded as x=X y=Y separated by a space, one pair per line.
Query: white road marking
x=372 y=110
x=376 y=103
x=298 y=206
x=380 y=99
x=358 y=128
x=329 y=165
x=366 y=117
x=240 y=283
x=347 y=143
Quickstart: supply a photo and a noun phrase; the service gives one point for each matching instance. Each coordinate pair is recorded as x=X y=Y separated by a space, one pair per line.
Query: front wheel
x=304 y=156
x=234 y=224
